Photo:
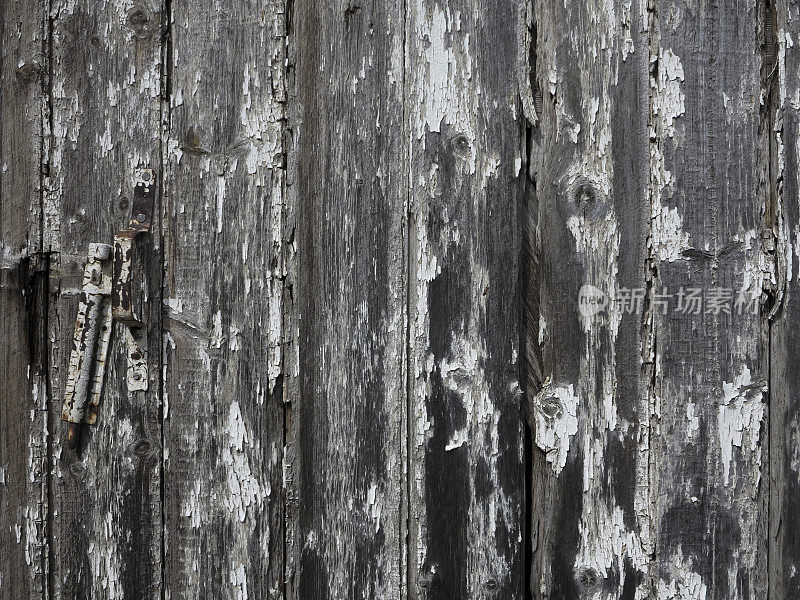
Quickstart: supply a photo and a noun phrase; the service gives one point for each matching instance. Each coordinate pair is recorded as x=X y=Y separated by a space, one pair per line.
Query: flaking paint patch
x=261 y=117
x=682 y=582
x=741 y=412
x=669 y=100
x=556 y=414
x=443 y=71
x=244 y=489
x=104 y=559
x=667 y=239
x=606 y=544
x=238 y=581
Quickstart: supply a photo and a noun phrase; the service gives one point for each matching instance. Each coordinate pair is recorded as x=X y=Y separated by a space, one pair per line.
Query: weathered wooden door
x=444 y=299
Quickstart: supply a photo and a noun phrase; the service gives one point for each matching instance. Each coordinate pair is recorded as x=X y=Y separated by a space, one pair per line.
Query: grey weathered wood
x=23 y=298
x=105 y=104
x=709 y=426
x=784 y=419
x=376 y=219
x=349 y=399
x=587 y=224
x=465 y=427
x=223 y=297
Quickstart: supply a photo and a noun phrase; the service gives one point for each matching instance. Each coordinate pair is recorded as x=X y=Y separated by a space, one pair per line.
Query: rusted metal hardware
x=110 y=281
x=90 y=343
x=126 y=306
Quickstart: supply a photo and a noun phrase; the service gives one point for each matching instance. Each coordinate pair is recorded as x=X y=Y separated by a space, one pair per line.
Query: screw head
x=141 y=217
x=146 y=175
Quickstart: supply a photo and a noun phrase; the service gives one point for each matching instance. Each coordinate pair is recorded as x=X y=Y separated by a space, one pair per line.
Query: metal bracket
x=90 y=343
x=126 y=306
x=111 y=280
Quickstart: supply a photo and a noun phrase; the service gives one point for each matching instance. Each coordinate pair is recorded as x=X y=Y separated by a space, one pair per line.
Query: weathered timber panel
x=348 y=410
x=465 y=431
x=224 y=288
x=23 y=298
x=369 y=242
x=784 y=395
x=708 y=437
x=587 y=222
x=105 y=122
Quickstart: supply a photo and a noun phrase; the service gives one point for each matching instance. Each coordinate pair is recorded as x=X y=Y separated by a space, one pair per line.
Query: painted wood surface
x=651 y=171
x=349 y=401
x=709 y=435
x=104 y=121
x=23 y=295
x=223 y=294
x=784 y=219
x=375 y=224
x=465 y=430
x=587 y=224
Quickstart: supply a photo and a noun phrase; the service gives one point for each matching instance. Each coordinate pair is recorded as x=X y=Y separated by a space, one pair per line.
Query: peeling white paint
x=556 y=413
x=668 y=239
x=683 y=583
x=741 y=412
x=244 y=489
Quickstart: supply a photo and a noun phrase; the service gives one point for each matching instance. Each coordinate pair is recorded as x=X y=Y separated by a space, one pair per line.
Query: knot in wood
x=139 y=20
x=588 y=579
x=141 y=448
x=28 y=72
x=460 y=145
x=551 y=407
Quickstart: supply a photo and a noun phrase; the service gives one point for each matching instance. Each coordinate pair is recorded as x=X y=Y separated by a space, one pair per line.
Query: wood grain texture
x=709 y=432
x=350 y=292
x=105 y=103
x=588 y=223
x=465 y=437
x=224 y=287
x=23 y=297
x=784 y=413
x=374 y=226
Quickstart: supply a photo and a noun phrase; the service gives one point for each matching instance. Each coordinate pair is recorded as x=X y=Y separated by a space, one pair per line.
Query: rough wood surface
x=709 y=425
x=223 y=295
x=23 y=298
x=587 y=222
x=374 y=226
x=784 y=414
x=465 y=432
x=104 y=122
x=348 y=410
x=652 y=422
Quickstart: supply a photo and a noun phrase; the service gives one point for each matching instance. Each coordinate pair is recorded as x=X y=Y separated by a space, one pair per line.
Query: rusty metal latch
x=110 y=281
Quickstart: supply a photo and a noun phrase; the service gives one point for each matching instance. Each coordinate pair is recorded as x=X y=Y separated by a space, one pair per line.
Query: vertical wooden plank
x=465 y=428
x=350 y=293
x=709 y=386
x=587 y=218
x=224 y=287
x=784 y=413
x=105 y=100
x=23 y=298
